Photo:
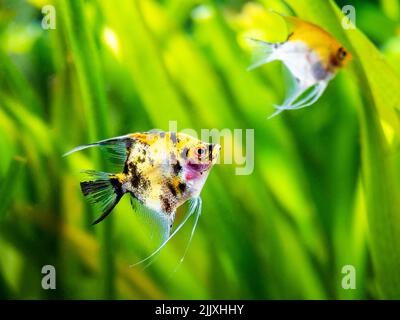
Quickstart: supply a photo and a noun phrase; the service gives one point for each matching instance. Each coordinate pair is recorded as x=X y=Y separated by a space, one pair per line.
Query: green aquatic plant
x=378 y=111
x=323 y=192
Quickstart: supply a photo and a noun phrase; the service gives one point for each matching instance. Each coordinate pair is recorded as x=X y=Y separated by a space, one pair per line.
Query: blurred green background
x=324 y=192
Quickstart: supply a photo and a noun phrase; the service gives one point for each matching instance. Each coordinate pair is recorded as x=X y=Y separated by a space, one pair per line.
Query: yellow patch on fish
x=331 y=53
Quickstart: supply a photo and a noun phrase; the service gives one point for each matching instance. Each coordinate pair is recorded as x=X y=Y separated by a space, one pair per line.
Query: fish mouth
x=199 y=167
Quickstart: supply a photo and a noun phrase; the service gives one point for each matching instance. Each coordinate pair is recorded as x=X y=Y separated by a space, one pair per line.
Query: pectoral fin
x=195 y=205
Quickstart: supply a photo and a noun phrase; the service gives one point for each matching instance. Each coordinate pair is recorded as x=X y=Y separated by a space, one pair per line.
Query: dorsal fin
x=116 y=149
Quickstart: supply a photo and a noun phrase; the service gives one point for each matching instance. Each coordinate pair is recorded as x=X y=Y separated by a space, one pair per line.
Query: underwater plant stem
x=91 y=83
x=7 y=184
x=18 y=84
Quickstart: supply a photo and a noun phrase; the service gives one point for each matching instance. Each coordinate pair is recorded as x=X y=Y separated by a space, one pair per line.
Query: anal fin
x=195 y=206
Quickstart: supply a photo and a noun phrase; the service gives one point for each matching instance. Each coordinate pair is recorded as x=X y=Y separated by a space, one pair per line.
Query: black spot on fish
x=126 y=165
x=135 y=176
x=145 y=184
x=141 y=159
x=182 y=187
x=138 y=181
x=171 y=188
x=117 y=186
x=166 y=204
x=185 y=153
x=128 y=144
x=176 y=167
x=210 y=150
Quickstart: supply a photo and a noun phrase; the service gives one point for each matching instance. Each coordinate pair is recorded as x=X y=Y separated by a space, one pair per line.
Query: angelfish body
x=312 y=56
x=164 y=169
x=160 y=170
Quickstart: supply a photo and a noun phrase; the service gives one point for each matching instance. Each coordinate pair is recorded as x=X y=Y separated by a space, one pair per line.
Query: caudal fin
x=103 y=190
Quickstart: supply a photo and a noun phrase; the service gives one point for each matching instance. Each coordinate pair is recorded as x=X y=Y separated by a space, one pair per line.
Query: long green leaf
x=8 y=184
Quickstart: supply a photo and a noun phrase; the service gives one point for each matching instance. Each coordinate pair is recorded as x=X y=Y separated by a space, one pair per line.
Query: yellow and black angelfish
x=160 y=170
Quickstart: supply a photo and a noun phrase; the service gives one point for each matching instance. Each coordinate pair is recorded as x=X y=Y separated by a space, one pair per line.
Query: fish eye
x=342 y=54
x=200 y=152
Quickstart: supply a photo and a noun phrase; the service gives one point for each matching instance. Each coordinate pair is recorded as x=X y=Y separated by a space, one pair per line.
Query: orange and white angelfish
x=312 y=56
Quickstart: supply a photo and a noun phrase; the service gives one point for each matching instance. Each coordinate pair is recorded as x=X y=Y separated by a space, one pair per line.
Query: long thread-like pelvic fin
x=197 y=203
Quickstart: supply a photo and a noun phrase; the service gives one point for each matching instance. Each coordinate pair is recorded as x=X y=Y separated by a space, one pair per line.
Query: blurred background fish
x=311 y=55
